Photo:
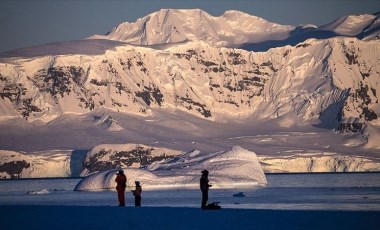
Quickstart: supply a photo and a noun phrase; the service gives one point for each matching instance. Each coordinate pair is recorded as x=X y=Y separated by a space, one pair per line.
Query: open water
x=325 y=191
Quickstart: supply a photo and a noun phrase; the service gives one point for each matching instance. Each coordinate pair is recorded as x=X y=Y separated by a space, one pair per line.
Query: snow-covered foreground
x=290 y=201
x=75 y=217
x=341 y=191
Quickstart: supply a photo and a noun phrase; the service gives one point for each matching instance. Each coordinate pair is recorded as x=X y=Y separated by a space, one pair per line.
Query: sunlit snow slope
x=334 y=81
x=234 y=29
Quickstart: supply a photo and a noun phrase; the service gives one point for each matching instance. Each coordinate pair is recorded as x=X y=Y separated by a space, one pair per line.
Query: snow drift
x=233 y=168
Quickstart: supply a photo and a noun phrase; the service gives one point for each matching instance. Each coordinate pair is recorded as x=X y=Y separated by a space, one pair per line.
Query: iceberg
x=232 y=168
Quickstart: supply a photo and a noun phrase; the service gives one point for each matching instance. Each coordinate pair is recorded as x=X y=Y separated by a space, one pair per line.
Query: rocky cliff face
x=107 y=157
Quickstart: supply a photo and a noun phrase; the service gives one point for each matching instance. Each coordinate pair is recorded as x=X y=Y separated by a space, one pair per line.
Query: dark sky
x=31 y=22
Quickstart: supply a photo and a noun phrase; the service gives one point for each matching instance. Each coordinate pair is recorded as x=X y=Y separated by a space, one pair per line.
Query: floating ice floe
x=39 y=192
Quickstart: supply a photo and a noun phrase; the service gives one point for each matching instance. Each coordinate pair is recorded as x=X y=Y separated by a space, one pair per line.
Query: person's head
x=137 y=183
x=205 y=172
x=120 y=172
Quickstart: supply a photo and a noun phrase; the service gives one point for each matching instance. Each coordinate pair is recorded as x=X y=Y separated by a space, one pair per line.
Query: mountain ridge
x=248 y=76
x=172 y=25
x=234 y=29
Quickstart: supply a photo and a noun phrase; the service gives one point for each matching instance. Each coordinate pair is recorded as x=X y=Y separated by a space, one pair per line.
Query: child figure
x=137 y=193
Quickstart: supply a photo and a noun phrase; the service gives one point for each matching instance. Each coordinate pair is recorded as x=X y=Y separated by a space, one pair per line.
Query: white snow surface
x=233 y=168
x=177 y=25
x=351 y=25
x=231 y=29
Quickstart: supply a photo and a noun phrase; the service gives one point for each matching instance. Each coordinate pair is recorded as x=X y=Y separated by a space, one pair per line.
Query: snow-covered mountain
x=186 y=62
x=330 y=81
x=361 y=26
x=234 y=29
x=231 y=29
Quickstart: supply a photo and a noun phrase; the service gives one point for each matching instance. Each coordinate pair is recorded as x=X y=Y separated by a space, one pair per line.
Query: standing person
x=121 y=183
x=137 y=193
x=204 y=185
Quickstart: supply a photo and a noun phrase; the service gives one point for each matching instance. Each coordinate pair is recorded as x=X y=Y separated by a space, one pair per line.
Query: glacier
x=153 y=163
x=33 y=165
x=318 y=163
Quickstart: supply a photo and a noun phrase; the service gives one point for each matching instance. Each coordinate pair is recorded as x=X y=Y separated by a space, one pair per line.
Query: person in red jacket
x=121 y=183
x=137 y=193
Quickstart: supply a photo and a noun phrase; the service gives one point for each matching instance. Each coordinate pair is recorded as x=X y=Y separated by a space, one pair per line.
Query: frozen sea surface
x=340 y=191
x=290 y=201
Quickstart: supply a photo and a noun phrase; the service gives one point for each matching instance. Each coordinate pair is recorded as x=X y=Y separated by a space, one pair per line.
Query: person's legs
x=137 y=201
x=120 y=195
x=204 y=198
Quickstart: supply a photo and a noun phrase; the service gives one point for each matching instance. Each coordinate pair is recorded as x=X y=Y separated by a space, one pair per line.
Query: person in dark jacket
x=121 y=183
x=204 y=185
x=137 y=193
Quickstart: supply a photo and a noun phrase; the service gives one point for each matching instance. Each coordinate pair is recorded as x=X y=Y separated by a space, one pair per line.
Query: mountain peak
x=236 y=13
x=351 y=25
x=168 y=26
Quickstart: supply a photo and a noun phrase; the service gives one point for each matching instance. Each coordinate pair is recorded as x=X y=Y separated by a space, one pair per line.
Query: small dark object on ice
x=212 y=206
x=239 y=194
